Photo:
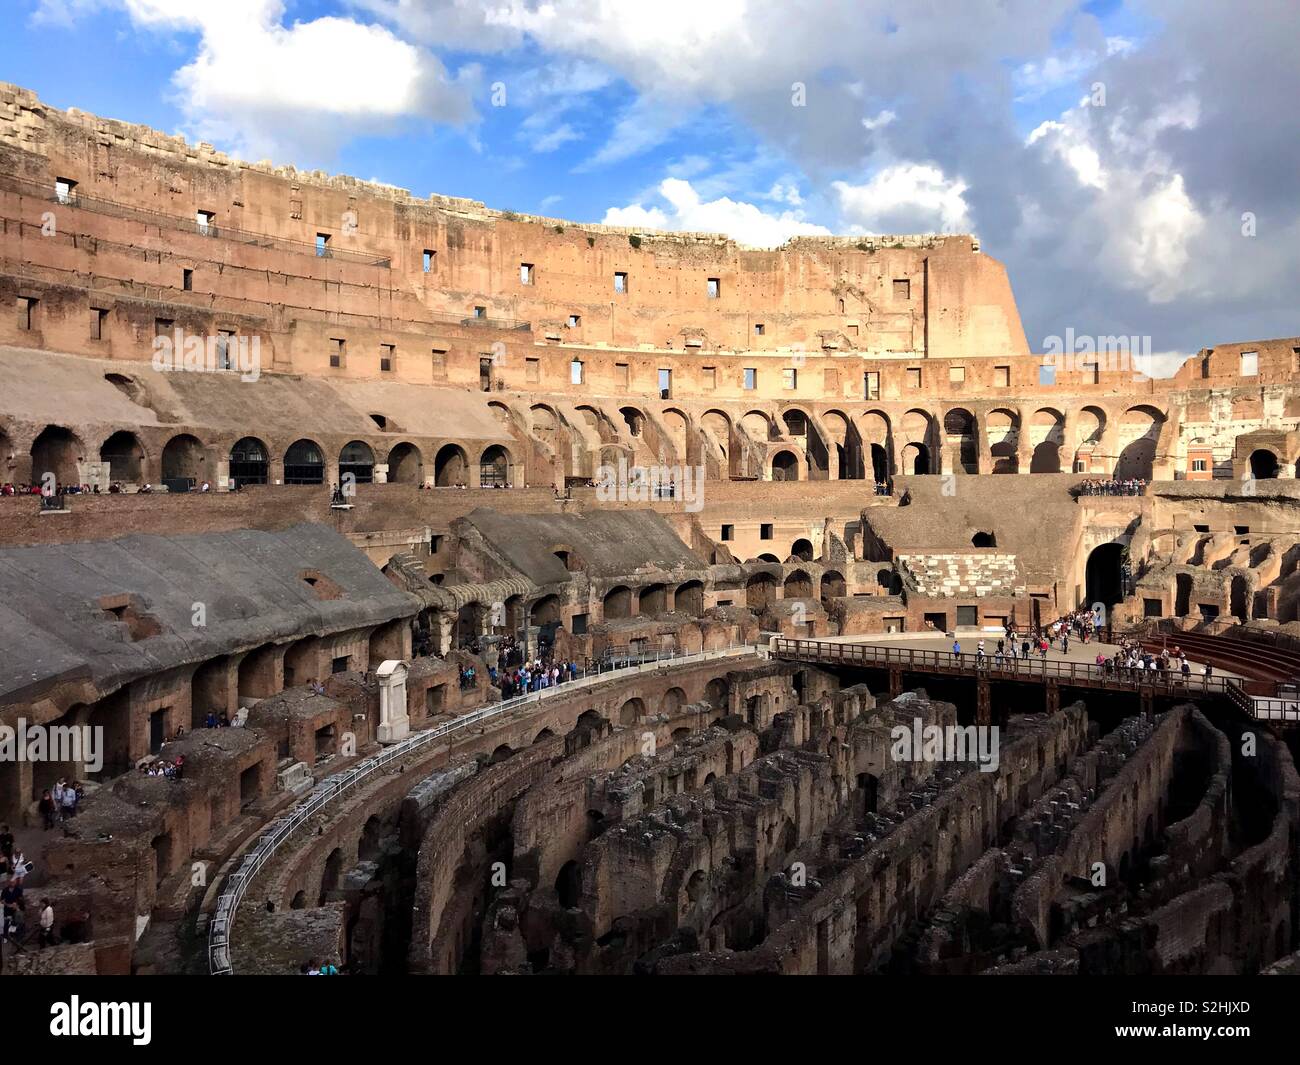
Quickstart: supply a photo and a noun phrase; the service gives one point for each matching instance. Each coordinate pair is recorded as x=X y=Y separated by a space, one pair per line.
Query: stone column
x=394 y=722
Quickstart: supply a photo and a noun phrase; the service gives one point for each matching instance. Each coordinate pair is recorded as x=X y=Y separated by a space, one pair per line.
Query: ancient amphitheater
x=746 y=499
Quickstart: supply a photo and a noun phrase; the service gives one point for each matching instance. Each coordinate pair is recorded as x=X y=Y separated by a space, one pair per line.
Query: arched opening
x=654 y=600
x=633 y=419
x=57 y=451
x=1239 y=597
x=249 y=462
x=879 y=463
x=450 y=467
x=959 y=429
x=183 y=462
x=785 y=466
x=631 y=712
x=546 y=611
x=760 y=591
x=984 y=539
x=1139 y=430
x=1046 y=458
x=689 y=598
x=1047 y=434
x=405 y=464
x=124 y=455
x=568 y=884
x=916 y=459
x=371 y=833
x=618 y=603
x=832 y=585
x=716 y=693
x=1182 y=595
x=1104 y=574
x=299 y=901
x=802 y=549
x=304 y=463
x=798 y=585
x=500 y=754
x=1002 y=428
x=494 y=467
x=674 y=700
x=357 y=459
x=1263 y=464
x=331 y=875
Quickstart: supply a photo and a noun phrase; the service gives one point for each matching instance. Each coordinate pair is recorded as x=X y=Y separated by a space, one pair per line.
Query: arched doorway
x=450 y=466
x=183 y=461
x=57 y=451
x=357 y=459
x=124 y=455
x=249 y=461
x=1104 y=574
x=785 y=466
x=959 y=429
x=494 y=467
x=802 y=549
x=1263 y=464
x=405 y=465
x=1239 y=596
x=304 y=463
x=916 y=459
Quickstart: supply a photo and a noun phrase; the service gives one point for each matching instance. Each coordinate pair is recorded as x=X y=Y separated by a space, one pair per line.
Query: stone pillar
x=394 y=722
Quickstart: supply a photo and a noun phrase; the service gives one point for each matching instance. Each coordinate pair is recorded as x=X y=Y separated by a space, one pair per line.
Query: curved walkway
x=221 y=926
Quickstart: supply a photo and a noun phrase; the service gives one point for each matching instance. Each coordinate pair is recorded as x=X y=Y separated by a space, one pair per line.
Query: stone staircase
x=946 y=575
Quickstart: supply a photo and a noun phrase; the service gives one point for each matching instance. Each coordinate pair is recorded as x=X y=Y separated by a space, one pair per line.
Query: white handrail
x=223 y=918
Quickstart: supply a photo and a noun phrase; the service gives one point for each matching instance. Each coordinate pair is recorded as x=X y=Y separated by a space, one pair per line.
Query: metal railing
x=1036 y=669
x=221 y=925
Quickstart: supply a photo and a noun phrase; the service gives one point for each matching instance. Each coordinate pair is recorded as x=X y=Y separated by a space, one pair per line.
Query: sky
x=1133 y=162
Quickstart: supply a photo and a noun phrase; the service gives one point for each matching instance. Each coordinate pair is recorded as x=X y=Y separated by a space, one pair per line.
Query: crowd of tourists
x=1112 y=486
x=884 y=488
x=1129 y=661
x=10 y=488
x=59 y=803
x=14 y=870
x=162 y=767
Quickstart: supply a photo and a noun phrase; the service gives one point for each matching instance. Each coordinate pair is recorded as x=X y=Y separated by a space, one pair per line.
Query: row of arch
x=184 y=457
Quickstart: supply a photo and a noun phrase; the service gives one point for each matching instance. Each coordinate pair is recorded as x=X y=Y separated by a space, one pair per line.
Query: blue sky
x=957 y=116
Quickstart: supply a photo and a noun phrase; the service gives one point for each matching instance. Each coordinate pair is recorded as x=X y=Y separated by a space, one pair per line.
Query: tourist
x=69 y=802
x=47 y=924
x=956 y=649
x=49 y=812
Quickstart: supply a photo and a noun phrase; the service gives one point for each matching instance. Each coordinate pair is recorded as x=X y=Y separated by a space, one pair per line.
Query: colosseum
x=417 y=587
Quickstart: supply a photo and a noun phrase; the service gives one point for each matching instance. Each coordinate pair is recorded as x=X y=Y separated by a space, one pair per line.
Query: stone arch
x=678 y=427
x=785 y=466
x=802 y=549
x=250 y=461
x=757 y=425
x=833 y=585
x=304 y=463
x=653 y=600
x=798 y=585
x=450 y=466
x=689 y=598
x=1139 y=431
x=405 y=464
x=1002 y=429
x=184 y=458
x=916 y=458
x=545 y=611
x=1047 y=437
x=494 y=467
x=58 y=451
x=632 y=711
x=962 y=437
x=1264 y=464
x=125 y=457
x=673 y=701
x=358 y=459
x=633 y=420
x=617 y=602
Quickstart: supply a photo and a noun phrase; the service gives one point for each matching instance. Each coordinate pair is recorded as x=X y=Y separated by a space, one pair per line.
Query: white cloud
x=685 y=210
x=905 y=198
x=262 y=87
